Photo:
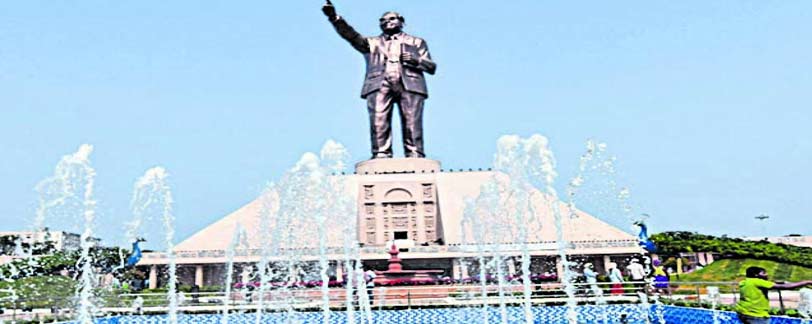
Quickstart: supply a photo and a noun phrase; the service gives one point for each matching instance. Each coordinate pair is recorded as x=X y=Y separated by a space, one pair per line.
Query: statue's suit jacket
x=375 y=56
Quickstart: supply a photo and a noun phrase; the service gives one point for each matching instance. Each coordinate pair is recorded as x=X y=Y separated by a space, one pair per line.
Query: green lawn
x=733 y=270
x=39 y=291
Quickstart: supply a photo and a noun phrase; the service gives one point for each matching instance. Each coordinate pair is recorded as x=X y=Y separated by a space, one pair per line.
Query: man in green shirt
x=754 y=304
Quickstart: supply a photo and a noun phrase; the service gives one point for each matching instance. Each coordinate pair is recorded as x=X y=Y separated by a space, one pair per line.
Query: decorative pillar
x=339 y=271
x=606 y=261
x=153 y=276
x=679 y=265
x=464 y=268
x=199 y=275
x=708 y=257
x=456 y=272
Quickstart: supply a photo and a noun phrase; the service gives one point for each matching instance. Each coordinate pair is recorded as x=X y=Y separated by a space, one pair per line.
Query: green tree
x=673 y=243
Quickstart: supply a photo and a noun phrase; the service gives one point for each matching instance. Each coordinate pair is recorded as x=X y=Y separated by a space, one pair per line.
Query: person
x=395 y=62
x=195 y=292
x=592 y=279
x=616 y=278
x=637 y=273
x=369 y=277
x=249 y=292
x=353 y=280
x=754 y=304
x=660 y=278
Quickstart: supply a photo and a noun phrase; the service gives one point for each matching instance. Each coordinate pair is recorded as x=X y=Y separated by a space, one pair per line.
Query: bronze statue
x=395 y=65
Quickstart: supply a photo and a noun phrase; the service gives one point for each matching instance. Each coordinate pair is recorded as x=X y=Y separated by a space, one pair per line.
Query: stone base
x=397 y=165
x=389 y=277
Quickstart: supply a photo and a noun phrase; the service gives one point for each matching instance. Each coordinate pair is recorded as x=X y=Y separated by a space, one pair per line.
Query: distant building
x=413 y=203
x=62 y=241
x=793 y=239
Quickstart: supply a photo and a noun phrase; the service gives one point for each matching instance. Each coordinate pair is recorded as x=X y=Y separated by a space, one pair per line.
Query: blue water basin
x=630 y=314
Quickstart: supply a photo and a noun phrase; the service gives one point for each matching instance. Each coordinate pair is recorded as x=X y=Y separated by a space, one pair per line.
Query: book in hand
x=411 y=49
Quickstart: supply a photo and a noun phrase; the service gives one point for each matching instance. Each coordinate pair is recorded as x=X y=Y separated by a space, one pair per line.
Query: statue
x=396 y=62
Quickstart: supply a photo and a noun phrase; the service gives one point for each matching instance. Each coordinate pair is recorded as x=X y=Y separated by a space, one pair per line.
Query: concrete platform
x=397 y=165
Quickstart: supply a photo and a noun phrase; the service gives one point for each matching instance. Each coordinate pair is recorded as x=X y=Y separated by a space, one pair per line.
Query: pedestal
x=397 y=165
x=397 y=200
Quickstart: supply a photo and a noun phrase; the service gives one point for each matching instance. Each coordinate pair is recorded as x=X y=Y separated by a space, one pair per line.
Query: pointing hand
x=329 y=10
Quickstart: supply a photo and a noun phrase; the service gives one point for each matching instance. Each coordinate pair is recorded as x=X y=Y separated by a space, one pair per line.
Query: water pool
x=632 y=314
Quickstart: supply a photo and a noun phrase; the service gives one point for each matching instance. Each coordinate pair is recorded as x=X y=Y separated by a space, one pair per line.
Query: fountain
x=395 y=272
x=69 y=191
x=232 y=250
x=715 y=297
x=805 y=304
x=152 y=194
x=308 y=233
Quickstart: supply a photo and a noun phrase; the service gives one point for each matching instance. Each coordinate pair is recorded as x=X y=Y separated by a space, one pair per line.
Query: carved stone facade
x=402 y=205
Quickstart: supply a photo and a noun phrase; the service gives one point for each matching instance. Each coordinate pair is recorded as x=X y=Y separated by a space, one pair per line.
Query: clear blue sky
x=705 y=104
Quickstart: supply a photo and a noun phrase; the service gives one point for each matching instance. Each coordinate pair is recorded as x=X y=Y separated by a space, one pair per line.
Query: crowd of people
x=649 y=278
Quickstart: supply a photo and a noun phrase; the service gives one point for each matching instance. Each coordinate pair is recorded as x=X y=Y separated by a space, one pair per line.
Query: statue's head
x=391 y=22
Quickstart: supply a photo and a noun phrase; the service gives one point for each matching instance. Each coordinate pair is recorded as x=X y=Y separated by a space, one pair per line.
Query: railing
x=695 y=294
x=397 y=296
x=726 y=294
x=464 y=248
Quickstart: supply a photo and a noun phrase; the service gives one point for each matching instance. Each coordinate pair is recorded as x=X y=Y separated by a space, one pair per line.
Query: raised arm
x=792 y=285
x=344 y=30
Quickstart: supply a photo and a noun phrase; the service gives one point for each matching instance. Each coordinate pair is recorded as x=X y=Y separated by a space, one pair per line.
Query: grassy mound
x=733 y=270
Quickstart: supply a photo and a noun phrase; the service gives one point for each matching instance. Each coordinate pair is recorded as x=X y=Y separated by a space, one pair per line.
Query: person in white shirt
x=592 y=279
x=637 y=273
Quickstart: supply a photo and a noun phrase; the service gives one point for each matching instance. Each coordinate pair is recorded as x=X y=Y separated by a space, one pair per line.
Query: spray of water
x=239 y=232
x=74 y=176
x=152 y=194
x=62 y=187
x=60 y=196
x=270 y=207
x=506 y=214
x=805 y=304
x=593 y=150
x=298 y=212
x=471 y=221
x=714 y=297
